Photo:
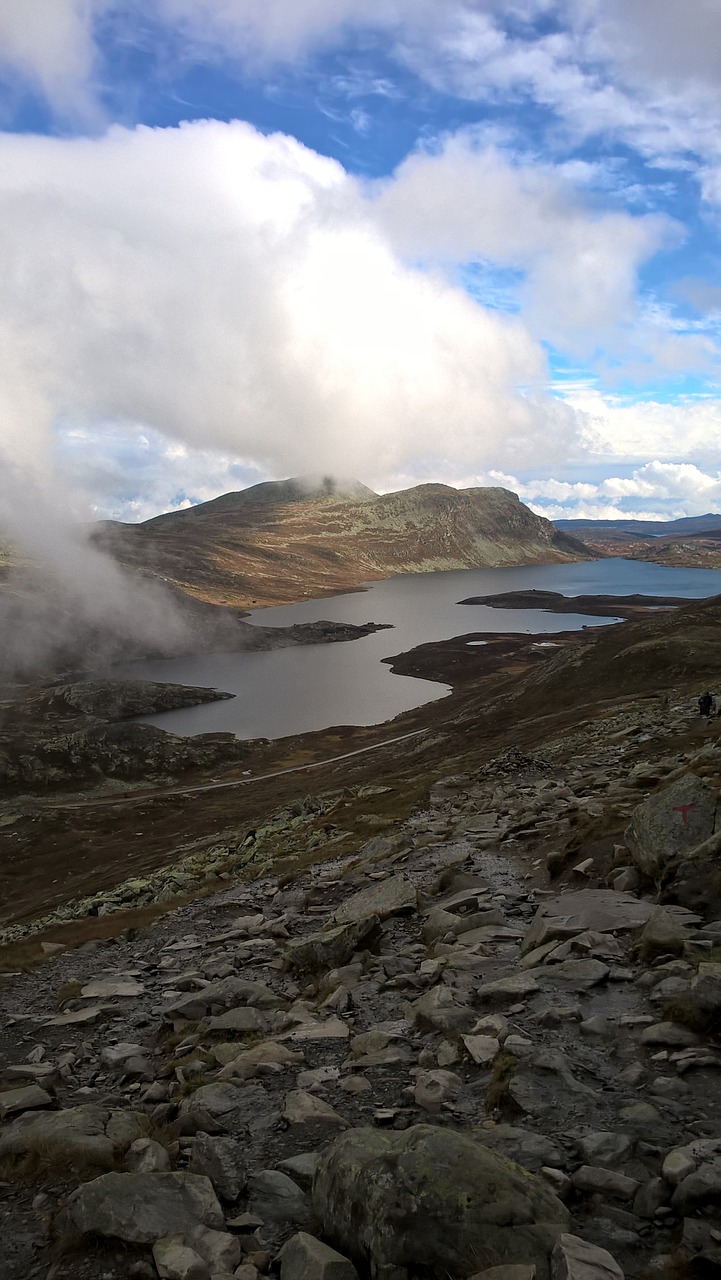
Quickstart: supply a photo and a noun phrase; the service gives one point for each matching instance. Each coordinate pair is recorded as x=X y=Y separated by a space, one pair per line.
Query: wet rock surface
x=422 y=1059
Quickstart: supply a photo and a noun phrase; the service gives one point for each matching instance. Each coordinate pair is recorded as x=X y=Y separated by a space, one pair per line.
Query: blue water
x=296 y=690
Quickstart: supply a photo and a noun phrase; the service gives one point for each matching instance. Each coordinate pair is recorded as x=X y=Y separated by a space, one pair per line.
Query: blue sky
x=473 y=241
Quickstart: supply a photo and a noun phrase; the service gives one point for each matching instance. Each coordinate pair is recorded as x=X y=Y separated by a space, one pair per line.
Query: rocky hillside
x=278 y=543
x=418 y=1061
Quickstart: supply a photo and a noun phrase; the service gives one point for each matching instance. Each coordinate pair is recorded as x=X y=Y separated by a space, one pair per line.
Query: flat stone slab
x=598 y=910
x=30 y=1098
x=506 y=990
x=390 y=897
x=104 y=988
x=144 y=1207
x=580 y=974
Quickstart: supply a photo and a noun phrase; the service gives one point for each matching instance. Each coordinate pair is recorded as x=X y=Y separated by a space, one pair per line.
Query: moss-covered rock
x=433 y=1198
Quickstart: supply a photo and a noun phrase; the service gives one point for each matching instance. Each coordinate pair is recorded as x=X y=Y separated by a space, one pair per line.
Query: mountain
x=710 y=523
x=693 y=542
x=277 y=543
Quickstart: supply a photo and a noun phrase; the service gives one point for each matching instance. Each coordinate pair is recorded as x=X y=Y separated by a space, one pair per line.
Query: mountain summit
x=280 y=542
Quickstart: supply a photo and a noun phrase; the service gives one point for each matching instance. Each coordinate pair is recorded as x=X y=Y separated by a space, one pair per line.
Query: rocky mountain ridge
x=258 y=548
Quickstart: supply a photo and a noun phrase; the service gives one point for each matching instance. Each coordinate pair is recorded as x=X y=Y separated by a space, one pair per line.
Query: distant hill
x=308 y=536
x=693 y=542
x=709 y=523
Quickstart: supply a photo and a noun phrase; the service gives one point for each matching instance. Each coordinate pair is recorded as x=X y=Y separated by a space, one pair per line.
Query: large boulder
x=432 y=1198
x=144 y=1207
x=88 y=1134
x=670 y=824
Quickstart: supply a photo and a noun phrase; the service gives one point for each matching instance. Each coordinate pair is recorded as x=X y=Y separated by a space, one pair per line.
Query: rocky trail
x=422 y=1059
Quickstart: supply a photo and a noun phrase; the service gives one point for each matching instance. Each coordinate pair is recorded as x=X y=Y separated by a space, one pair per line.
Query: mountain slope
x=273 y=544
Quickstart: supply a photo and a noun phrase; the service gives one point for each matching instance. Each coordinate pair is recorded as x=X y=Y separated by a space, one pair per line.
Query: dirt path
x=145 y=796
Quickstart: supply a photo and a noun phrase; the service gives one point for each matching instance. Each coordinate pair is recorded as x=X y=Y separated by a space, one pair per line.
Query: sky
x=466 y=241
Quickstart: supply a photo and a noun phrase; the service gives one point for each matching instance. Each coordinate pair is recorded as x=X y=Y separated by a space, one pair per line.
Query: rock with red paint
x=671 y=823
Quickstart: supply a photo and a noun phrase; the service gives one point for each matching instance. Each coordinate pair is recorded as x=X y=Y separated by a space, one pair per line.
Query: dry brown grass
x=51 y=1163
x=497 y=1096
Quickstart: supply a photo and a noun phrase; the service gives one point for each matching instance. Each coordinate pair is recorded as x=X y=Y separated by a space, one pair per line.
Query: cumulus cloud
x=687 y=429
x=233 y=292
x=643 y=73
x=656 y=490
x=467 y=201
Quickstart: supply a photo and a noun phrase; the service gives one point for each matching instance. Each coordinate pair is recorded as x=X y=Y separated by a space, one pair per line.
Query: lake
x=297 y=690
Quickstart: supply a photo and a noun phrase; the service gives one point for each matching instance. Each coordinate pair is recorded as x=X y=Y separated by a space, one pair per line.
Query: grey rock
x=576 y=1259
x=303 y=1257
x=143 y=1207
x=438 y=923
x=301 y=1168
x=482 y=1049
x=581 y=975
x=29 y=1098
x=230 y=1104
x=242 y=1020
x=671 y=822
x=508 y=990
x=226 y=993
x=605 y=1149
x=705 y=992
x=439 y=1010
x=433 y=1198
x=604 y=1182
x=600 y=910
x=146 y=1156
x=175 y=1260
x=700 y=1240
x=533 y=1151
x=318 y=952
x=701 y=1187
x=219 y=1158
x=277 y=1200
x=88 y=1133
x=663 y=934
x=303 y=1108
x=639 y=1115
x=114 y=1055
x=386 y=898
x=219 y=1249
x=671 y=1034
x=650 y=1197
x=524 y=1271
x=434 y=1088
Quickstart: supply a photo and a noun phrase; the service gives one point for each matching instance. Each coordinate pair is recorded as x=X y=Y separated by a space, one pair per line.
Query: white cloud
x=469 y=201
x=644 y=73
x=680 y=431
x=232 y=292
x=50 y=43
x=656 y=490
